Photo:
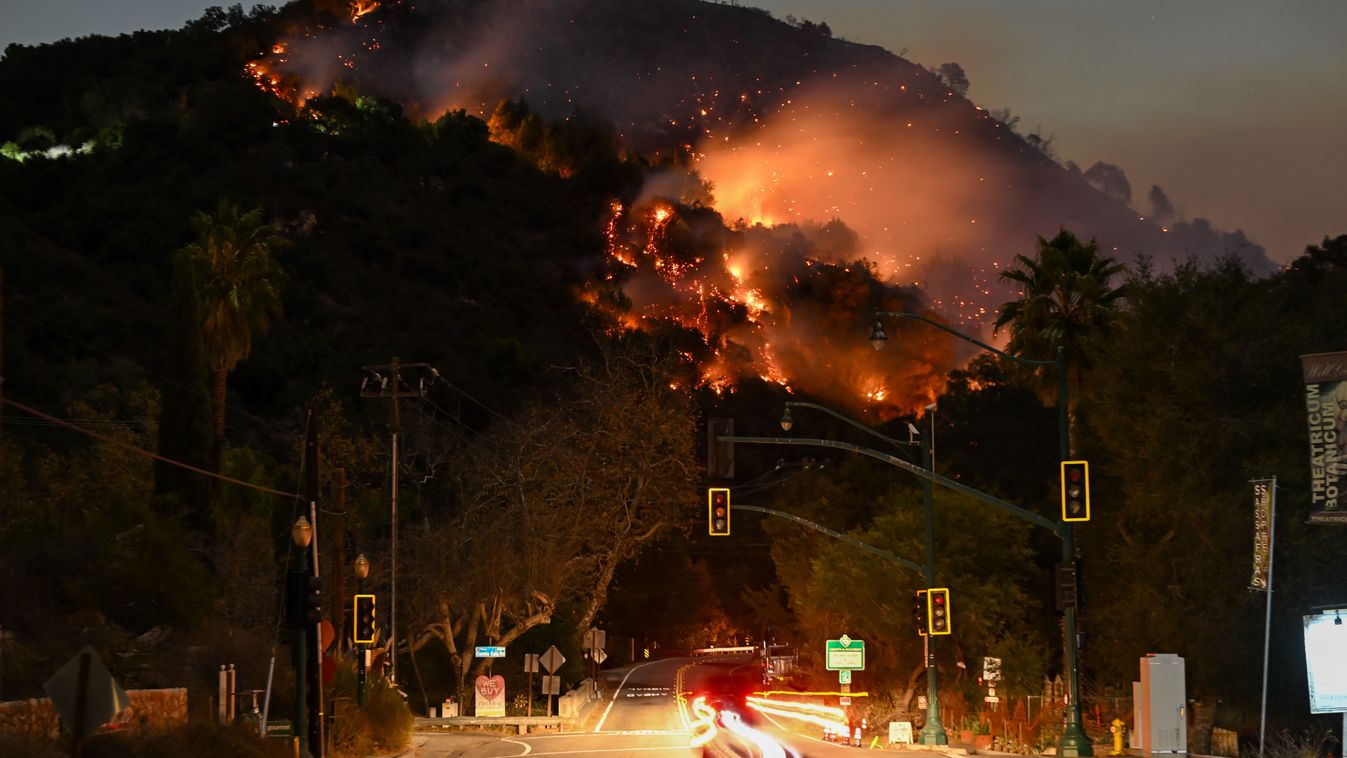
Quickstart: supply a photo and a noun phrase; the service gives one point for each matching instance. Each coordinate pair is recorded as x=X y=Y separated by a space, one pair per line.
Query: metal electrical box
x=1162 y=709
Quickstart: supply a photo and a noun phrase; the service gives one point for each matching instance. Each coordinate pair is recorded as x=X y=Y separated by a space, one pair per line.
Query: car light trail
x=825 y=716
x=704 y=727
x=768 y=747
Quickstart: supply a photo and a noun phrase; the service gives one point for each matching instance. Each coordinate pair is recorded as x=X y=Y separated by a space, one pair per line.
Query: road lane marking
x=599 y=726
x=682 y=750
x=527 y=747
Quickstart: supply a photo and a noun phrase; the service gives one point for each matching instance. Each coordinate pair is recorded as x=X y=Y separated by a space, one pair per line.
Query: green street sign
x=844 y=676
x=844 y=654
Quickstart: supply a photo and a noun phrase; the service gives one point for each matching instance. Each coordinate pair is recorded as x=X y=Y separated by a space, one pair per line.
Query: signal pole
x=393 y=375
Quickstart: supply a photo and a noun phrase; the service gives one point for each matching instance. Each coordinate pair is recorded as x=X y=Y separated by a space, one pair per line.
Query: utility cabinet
x=1162 y=708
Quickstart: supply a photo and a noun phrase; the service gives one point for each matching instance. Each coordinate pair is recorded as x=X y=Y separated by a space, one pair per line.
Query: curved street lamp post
x=1074 y=741
x=933 y=733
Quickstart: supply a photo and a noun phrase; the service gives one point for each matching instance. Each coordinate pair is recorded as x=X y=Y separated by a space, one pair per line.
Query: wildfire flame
x=362 y=7
x=773 y=294
x=765 y=307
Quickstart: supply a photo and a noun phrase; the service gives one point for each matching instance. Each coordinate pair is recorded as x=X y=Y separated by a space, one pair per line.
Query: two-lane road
x=641 y=715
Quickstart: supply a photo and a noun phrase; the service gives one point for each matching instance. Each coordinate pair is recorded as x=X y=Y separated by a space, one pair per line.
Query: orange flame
x=806 y=330
x=361 y=7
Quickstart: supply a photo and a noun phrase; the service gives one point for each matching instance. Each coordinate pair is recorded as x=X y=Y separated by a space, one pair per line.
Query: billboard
x=1325 y=639
x=1326 y=413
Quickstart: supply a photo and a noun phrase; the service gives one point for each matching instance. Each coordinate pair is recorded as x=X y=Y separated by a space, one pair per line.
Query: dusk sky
x=1235 y=107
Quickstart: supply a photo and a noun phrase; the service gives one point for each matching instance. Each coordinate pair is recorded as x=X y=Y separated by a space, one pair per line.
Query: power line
x=143 y=452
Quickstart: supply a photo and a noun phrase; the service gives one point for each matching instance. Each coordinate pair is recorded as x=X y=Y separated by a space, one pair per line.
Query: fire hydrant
x=1119 y=728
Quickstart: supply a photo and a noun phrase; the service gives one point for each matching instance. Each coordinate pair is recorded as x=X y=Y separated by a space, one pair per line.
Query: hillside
x=768 y=111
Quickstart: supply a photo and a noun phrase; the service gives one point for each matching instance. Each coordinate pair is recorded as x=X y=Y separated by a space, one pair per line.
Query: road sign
x=551 y=685
x=844 y=700
x=530 y=663
x=552 y=659
x=844 y=676
x=103 y=697
x=490 y=651
x=844 y=653
x=599 y=655
x=991 y=670
x=595 y=638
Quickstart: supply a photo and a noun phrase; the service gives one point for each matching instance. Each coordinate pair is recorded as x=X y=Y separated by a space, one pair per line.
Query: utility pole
x=386 y=375
x=314 y=631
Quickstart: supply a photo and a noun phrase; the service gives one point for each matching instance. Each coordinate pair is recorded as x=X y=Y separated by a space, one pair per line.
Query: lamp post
x=301 y=533
x=361 y=573
x=933 y=733
x=1074 y=741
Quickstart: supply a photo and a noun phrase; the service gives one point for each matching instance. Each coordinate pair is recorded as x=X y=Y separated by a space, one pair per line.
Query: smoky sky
x=1233 y=107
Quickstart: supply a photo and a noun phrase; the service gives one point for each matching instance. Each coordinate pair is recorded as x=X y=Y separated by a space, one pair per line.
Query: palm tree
x=237 y=284
x=1065 y=301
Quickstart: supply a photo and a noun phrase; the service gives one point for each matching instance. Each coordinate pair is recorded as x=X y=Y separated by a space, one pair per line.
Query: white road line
x=527 y=747
x=682 y=750
x=599 y=726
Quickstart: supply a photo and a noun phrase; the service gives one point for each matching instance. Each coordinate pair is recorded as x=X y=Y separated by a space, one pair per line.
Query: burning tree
x=548 y=505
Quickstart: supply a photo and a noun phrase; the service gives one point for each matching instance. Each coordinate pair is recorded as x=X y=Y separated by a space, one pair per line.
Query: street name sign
x=490 y=651
x=844 y=653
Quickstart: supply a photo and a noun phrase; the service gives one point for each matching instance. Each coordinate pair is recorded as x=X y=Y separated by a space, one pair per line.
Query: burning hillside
x=783 y=304
x=794 y=132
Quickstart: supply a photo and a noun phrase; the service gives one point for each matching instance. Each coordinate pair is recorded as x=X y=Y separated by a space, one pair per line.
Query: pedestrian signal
x=1075 y=491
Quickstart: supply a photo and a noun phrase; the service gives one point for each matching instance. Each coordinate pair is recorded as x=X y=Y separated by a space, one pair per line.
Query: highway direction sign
x=844 y=653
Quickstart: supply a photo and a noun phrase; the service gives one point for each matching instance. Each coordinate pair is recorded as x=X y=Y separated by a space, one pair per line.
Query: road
x=641 y=715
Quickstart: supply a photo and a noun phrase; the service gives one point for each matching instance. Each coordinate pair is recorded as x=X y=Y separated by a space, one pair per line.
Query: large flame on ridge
x=773 y=304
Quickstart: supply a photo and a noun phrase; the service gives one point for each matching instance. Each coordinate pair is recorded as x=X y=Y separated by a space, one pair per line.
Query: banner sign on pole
x=1326 y=411
x=1262 y=532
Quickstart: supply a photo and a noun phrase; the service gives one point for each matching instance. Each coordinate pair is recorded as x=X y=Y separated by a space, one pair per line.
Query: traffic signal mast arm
x=886 y=555
x=1012 y=509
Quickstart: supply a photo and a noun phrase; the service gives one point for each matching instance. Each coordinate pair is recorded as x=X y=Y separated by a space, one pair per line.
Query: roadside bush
x=390 y=720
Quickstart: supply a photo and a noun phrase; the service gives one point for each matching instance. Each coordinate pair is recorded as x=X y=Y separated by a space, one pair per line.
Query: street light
x=361 y=573
x=302 y=534
x=1074 y=741
x=933 y=733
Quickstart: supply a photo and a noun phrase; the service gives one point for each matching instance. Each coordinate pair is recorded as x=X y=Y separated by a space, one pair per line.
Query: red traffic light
x=938 y=597
x=1075 y=491
x=718 y=511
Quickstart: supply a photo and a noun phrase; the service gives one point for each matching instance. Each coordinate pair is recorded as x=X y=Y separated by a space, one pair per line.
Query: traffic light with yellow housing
x=718 y=511
x=364 y=619
x=1075 y=491
x=937 y=610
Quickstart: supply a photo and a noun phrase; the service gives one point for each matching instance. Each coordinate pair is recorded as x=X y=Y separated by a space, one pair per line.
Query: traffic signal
x=719 y=455
x=718 y=511
x=364 y=619
x=1075 y=491
x=313 y=601
x=1068 y=586
x=297 y=583
x=919 y=613
x=937 y=610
